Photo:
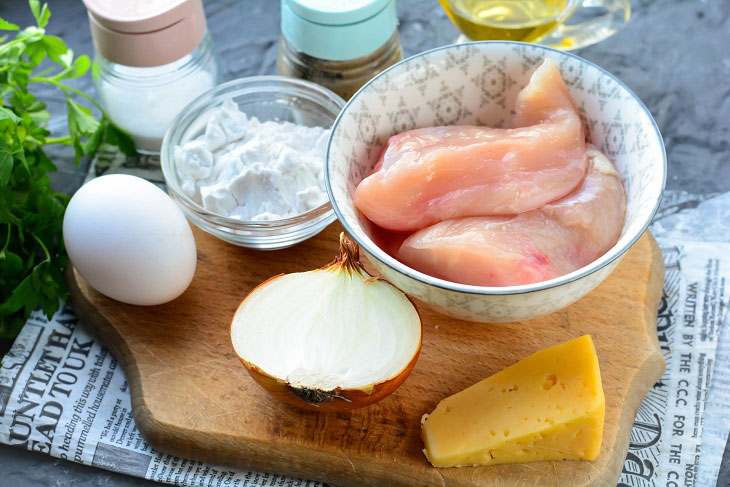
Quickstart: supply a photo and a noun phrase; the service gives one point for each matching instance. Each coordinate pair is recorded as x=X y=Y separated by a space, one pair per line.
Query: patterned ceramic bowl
x=477 y=83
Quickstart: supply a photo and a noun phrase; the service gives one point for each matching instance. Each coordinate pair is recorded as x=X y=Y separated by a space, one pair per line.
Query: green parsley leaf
x=32 y=254
x=44 y=16
x=80 y=66
x=6 y=167
x=5 y=25
x=35 y=7
x=56 y=48
x=81 y=119
x=9 y=115
x=116 y=137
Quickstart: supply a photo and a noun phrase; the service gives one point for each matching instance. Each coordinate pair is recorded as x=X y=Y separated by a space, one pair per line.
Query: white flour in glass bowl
x=254 y=171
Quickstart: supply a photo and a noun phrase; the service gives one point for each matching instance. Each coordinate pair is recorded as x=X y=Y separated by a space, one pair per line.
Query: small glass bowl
x=267 y=98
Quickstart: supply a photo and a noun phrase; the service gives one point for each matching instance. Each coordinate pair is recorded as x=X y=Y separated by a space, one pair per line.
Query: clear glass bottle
x=342 y=77
x=143 y=101
x=339 y=46
x=151 y=61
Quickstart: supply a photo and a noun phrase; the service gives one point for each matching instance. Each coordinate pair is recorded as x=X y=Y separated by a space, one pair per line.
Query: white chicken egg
x=129 y=240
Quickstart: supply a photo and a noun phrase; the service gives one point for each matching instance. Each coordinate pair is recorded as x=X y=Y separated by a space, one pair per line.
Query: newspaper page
x=108 y=160
x=62 y=393
x=665 y=443
x=717 y=412
x=669 y=442
x=692 y=218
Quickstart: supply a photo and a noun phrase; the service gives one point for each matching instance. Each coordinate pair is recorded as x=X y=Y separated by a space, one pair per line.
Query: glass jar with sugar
x=152 y=59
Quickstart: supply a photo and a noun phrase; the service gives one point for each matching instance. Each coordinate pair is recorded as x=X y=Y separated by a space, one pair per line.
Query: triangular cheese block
x=548 y=406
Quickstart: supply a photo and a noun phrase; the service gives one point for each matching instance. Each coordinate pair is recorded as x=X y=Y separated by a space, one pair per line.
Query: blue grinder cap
x=338 y=30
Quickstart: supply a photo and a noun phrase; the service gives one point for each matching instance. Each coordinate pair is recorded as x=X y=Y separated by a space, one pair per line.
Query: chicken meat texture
x=433 y=174
x=530 y=247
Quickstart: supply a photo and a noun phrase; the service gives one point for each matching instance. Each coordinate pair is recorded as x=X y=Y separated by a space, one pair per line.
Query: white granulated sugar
x=250 y=170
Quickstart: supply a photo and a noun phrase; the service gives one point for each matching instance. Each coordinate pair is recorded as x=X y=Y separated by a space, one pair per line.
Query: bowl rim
x=167 y=163
x=610 y=256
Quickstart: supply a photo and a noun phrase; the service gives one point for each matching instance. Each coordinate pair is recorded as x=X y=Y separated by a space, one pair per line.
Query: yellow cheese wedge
x=549 y=406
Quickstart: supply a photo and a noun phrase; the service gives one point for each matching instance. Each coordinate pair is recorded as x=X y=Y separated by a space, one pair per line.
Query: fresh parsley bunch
x=32 y=256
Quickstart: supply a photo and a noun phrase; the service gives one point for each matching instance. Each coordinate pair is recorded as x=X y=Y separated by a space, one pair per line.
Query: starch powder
x=254 y=171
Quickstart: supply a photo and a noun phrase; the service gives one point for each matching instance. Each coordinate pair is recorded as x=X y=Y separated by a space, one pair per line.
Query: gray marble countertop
x=673 y=54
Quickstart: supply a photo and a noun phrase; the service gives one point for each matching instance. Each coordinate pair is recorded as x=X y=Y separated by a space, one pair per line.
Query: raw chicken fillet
x=534 y=246
x=433 y=174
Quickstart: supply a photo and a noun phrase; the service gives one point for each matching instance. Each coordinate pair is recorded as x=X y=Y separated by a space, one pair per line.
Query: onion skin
x=337 y=400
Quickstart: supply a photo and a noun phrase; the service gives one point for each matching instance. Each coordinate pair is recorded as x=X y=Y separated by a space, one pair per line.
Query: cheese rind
x=548 y=406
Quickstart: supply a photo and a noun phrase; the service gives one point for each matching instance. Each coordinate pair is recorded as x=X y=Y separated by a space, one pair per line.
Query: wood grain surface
x=192 y=397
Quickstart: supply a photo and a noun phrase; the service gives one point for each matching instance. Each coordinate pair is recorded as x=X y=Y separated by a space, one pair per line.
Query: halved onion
x=331 y=339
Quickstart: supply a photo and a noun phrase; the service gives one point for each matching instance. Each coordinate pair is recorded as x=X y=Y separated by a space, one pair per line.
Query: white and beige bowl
x=477 y=83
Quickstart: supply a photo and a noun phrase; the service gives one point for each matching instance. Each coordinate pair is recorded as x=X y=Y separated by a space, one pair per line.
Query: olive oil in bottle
x=513 y=20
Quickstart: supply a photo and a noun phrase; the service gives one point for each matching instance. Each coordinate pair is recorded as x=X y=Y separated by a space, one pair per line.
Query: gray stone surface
x=673 y=54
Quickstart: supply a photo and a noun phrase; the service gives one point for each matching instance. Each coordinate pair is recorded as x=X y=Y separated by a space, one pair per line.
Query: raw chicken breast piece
x=432 y=174
x=534 y=246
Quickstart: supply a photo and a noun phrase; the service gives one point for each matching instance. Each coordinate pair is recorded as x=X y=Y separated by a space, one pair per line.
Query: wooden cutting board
x=193 y=398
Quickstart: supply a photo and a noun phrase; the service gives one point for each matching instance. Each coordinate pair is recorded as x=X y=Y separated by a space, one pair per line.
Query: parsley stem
x=9 y=44
x=14 y=220
x=66 y=88
x=59 y=140
x=7 y=240
x=61 y=74
x=45 y=71
x=43 y=246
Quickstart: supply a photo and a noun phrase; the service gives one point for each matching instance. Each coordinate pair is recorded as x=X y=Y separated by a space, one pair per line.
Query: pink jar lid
x=145 y=33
